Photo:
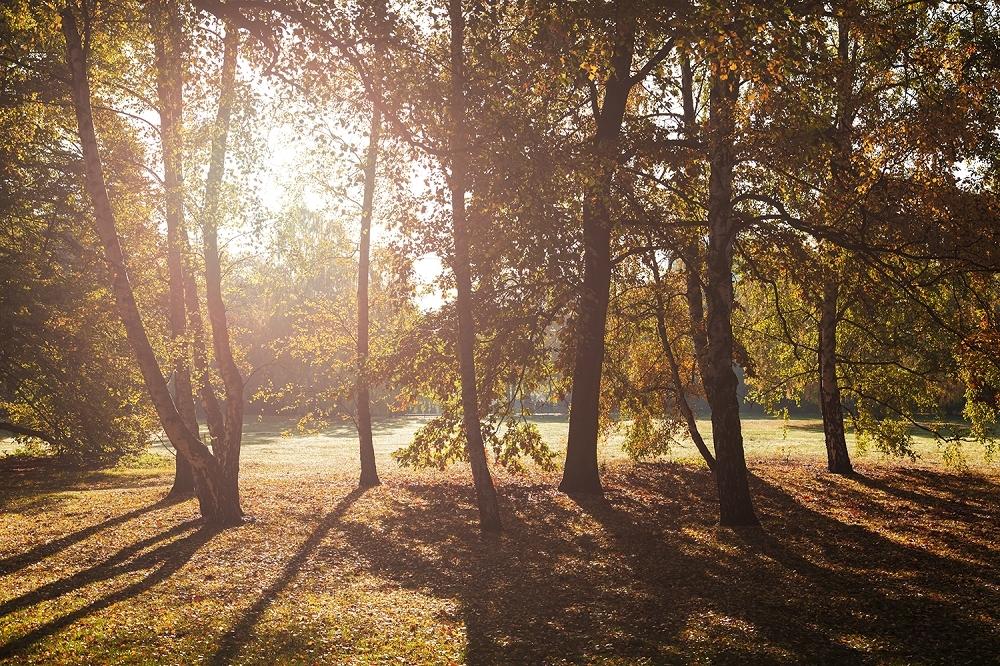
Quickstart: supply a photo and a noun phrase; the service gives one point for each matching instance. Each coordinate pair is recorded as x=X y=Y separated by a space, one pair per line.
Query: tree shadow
x=815 y=426
x=541 y=592
x=15 y=563
x=886 y=599
x=242 y=632
x=163 y=561
x=952 y=495
x=657 y=581
x=642 y=574
x=26 y=476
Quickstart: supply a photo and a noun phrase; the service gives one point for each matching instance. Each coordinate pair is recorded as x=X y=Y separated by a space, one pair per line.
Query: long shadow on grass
x=845 y=592
x=550 y=589
x=26 y=476
x=890 y=600
x=15 y=563
x=112 y=567
x=242 y=632
x=925 y=488
x=645 y=575
x=163 y=562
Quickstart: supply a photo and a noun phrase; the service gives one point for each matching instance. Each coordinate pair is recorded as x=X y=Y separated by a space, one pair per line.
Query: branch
x=28 y=432
x=653 y=62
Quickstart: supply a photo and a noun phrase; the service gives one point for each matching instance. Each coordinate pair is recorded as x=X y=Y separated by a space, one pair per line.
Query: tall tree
x=838 y=459
x=232 y=378
x=369 y=473
x=735 y=503
x=165 y=24
x=218 y=500
x=486 y=496
x=580 y=473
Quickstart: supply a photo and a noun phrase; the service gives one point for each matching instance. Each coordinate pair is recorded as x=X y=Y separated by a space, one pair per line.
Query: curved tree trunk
x=675 y=372
x=580 y=472
x=735 y=503
x=164 y=21
x=486 y=495
x=218 y=505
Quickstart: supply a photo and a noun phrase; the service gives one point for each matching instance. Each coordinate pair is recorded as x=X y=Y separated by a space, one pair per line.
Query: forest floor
x=897 y=564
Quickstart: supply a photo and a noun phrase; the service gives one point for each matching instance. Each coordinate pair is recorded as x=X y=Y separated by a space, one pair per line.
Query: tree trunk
x=693 y=260
x=486 y=495
x=169 y=86
x=837 y=457
x=209 y=400
x=218 y=506
x=675 y=372
x=232 y=379
x=580 y=473
x=184 y=482
x=735 y=503
x=369 y=472
x=696 y=310
x=366 y=444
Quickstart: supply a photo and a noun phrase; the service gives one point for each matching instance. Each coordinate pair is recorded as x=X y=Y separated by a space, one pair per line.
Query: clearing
x=897 y=564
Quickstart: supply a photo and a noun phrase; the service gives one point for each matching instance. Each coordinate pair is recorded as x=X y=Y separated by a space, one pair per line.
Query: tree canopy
x=639 y=210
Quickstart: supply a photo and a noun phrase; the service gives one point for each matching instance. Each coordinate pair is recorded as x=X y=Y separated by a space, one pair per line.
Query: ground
x=897 y=564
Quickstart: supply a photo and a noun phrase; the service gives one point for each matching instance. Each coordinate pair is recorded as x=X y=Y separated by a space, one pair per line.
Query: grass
x=764 y=438
x=894 y=565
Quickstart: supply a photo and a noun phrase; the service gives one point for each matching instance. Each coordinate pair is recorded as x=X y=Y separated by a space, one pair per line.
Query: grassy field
x=897 y=564
x=276 y=443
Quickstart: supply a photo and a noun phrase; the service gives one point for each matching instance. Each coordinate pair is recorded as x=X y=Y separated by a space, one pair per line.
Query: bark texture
x=735 y=503
x=486 y=495
x=580 y=473
x=837 y=457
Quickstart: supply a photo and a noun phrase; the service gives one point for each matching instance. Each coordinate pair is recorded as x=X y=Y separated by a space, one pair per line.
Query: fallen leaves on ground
x=895 y=564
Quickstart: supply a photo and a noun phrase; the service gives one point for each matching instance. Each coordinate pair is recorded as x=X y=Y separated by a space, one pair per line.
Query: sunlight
x=440 y=332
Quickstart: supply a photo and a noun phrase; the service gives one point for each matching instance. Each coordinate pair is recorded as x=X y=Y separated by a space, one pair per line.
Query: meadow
x=896 y=564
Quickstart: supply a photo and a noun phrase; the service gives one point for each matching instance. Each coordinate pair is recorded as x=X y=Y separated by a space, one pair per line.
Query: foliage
x=65 y=367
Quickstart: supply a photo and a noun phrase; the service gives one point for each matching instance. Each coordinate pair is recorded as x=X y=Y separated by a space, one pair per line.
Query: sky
x=277 y=184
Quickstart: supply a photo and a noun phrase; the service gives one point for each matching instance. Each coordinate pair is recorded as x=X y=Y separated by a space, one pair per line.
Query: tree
x=369 y=473
x=232 y=379
x=166 y=30
x=735 y=503
x=489 y=511
x=218 y=500
x=580 y=473
x=66 y=379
